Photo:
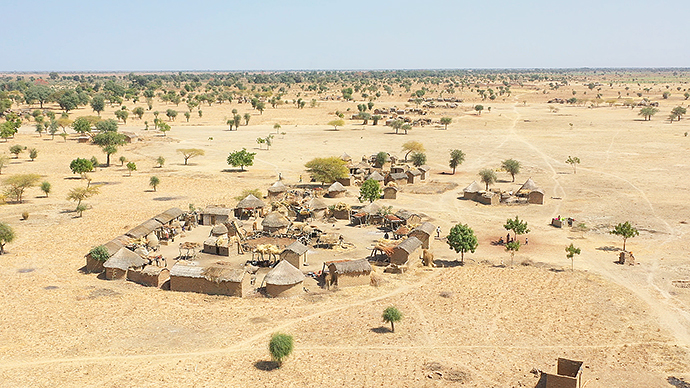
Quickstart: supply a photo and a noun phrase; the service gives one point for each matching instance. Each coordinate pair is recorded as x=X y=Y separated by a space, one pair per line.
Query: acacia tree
x=139 y=112
x=327 y=170
x=391 y=315
x=625 y=230
x=512 y=247
x=370 y=191
x=570 y=252
x=6 y=236
x=573 y=161
x=188 y=153
x=78 y=194
x=336 y=123
x=418 y=159
x=462 y=239
x=131 y=166
x=517 y=226
x=511 y=166
x=122 y=115
x=241 y=158
x=280 y=346
x=445 y=121
x=647 y=112
x=677 y=113
x=17 y=184
x=109 y=141
x=487 y=176
x=397 y=125
x=456 y=159
x=479 y=109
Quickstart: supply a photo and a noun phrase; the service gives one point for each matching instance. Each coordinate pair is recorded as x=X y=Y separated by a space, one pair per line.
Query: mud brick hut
x=336 y=190
x=425 y=234
x=284 y=280
x=399 y=178
x=216 y=279
x=150 y=276
x=275 y=223
x=249 y=207
x=117 y=265
x=405 y=250
x=425 y=172
x=534 y=194
x=345 y=273
x=295 y=254
x=390 y=192
x=277 y=191
x=414 y=175
x=114 y=245
x=213 y=215
x=472 y=191
x=568 y=375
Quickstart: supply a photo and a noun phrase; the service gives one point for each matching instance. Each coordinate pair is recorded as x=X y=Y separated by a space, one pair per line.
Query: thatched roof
x=168 y=215
x=529 y=185
x=336 y=187
x=217 y=211
x=219 y=229
x=296 y=247
x=389 y=188
x=371 y=208
x=427 y=228
x=349 y=266
x=404 y=214
x=277 y=188
x=376 y=176
x=216 y=272
x=414 y=172
x=345 y=157
x=474 y=187
x=250 y=202
x=284 y=274
x=124 y=259
x=115 y=244
x=153 y=270
x=275 y=220
x=397 y=176
x=409 y=245
x=145 y=228
x=317 y=204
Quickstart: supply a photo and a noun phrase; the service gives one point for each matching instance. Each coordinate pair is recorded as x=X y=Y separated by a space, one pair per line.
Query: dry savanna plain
x=482 y=324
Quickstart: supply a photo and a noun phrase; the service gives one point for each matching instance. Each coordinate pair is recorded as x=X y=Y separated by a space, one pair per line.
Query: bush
x=280 y=346
x=99 y=253
x=25 y=216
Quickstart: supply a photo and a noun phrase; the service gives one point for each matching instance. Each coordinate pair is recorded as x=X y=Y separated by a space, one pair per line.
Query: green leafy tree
x=40 y=93
x=188 y=153
x=277 y=127
x=418 y=159
x=131 y=166
x=100 y=253
x=154 y=182
x=479 y=109
x=81 y=125
x=573 y=161
x=512 y=247
x=122 y=160
x=397 y=125
x=462 y=239
x=391 y=315
x=487 y=176
x=161 y=161
x=666 y=95
x=247 y=117
x=241 y=158
x=33 y=154
x=98 y=103
x=237 y=119
x=18 y=183
x=445 y=121
x=280 y=346
x=347 y=94
x=46 y=187
x=381 y=158
x=625 y=230
x=52 y=129
x=6 y=236
x=677 y=113
x=456 y=159
x=109 y=141
x=16 y=150
x=327 y=170
x=139 y=112
x=187 y=116
x=122 y=115
x=78 y=194
x=81 y=166
x=163 y=127
x=370 y=191
x=375 y=119
x=570 y=252
x=511 y=166
x=517 y=226
x=647 y=112
x=108 y=125
x=336 y=123
x=171 y=113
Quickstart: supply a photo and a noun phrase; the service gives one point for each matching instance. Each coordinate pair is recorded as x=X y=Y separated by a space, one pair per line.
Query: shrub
x=280 y=346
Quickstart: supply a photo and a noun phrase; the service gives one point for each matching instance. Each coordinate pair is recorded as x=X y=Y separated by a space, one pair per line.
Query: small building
x=169 y=216
x=150 y=276
x=413 y=175
x=424 y=233
x=277 y=191
x=275 y=223
x=216 y=279
x=568 y=375
x=295 y=254
x=396 y=169
x=345 y=157
x=409 y=217
x=406 y=249
x=145 y=228
x=284 y=280
x=117 y=265
x=317 y=207
x=376 y=176
x=249 y=206
x=399 y=178
x=347 y=181
x=390 y=192
x=345 y=273
x=425 y=171
x=217 y=246
x=488 y=198
x=219 y=230
x=130 y=137
x=472 y=191
x=536 y=197
x=336 y=190
x=213 y=215
x=114 y=245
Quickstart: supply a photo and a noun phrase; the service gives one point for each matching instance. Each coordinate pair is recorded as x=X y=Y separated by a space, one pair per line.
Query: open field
x=481 y=324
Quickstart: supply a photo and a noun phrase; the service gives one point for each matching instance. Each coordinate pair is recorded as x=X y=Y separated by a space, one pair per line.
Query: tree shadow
x=233 y=170
x=381 y=330
x=266 y=366
x=448 y=263
x=608 y=248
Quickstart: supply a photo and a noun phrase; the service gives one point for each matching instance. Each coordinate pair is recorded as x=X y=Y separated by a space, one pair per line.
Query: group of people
x=509 y=240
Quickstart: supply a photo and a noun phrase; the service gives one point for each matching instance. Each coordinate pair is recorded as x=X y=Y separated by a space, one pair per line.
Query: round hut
x=275 y=223
x=248 y=206
x=276 y=190
x=219 y=230
x=472 y=191
x=336 y=190
x=284 y=280
x=317 y=207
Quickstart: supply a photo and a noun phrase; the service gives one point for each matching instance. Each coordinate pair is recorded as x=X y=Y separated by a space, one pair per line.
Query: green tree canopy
x=154 y=182
x=512 y=247
x=517 y=226
x=46 y=187
x=280 y=346
x=370 y=191
x=625 y=230
x=573 y=161
x=81 y=125
x=487 y=176
x=241 y=158
x=98 y=103
x=479 y=109
x=109 y=125
x=456 y=159
x=445 y=121
x=336 y=123
x=511 y=166
x=131 y=166
x=570 y=252
x=418 y=159
x=6 y=236
x=81 y=166
x=100 y=253
x=109 y=141
x=18 y=183
x=78 y=194
x=122 y=115
x=391 y=315
x=16 y=150
x=188 y=153
x=647 y=112
x=462 y=239
x=327 y=170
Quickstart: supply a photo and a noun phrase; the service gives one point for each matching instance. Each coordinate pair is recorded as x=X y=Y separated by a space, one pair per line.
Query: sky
x=207 y=35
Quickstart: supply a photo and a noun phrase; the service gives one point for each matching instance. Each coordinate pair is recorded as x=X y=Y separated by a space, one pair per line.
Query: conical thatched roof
x=474 y=187
x=529 y=185
x=277 y=188
x=336 y=187
x=284 y=274
x=250 y=202
x=317 y=204
x=376 y=176
x=219 y=230
x=275 y=220
x=345 y=157
x=371 y=208
x=296 y=247
x=124 y=259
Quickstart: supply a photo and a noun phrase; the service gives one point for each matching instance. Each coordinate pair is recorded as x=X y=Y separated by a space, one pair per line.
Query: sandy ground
x=479 y=324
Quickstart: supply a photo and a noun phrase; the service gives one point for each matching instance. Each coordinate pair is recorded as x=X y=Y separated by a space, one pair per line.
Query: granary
x=399 y=178
x=219 y=230
x=248 y=206
x=488 y=198
x=424 y=233
x=399 y=168
x=217 y=245
x=117 y=265
x=284 y=280
x=390 y=192
x=216 y=279
x=275 y=223
x=534 y=194
x=405 y=250
x=336 y=190
x=277 y=190
x=472 y=191
x=568 y=375
x=114 y=245
x=409 y=217
x=425 y=171
x=214 y=215
x=295 y=254
x=169 y=216
x=376 y=176
x=150 y=276
x=344 y=273
x=413 y=175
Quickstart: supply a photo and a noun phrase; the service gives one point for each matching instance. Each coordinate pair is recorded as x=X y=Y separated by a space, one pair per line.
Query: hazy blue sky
x=301 y=34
